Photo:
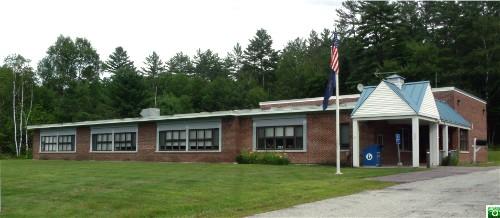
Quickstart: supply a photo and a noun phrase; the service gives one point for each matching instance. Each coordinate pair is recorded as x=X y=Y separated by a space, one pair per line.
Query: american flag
x=334 y=66
x=334 y=59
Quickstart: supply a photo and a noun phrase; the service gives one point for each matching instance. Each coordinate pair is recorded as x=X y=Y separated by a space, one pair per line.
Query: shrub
x=262 y=158
x=450 y=160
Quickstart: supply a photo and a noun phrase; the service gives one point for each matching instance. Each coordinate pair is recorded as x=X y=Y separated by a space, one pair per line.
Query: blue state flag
x=330 y=88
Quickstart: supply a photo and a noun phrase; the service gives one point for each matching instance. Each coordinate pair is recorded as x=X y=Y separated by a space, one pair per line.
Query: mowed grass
x=42 y=188
x=494 y=155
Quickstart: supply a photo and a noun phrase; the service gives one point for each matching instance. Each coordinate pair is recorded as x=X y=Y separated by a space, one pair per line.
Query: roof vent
x=150 y=112
x=396 y=80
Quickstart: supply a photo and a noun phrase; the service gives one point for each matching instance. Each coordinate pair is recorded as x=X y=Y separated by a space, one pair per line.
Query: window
x=57 y=143
x=406 y=141
x=66 y=143
x=203 y=139
x=124 y=140
x=172 y=140
x=344 y=136
x=464 y=140
x=279 y=138
x=380 y=139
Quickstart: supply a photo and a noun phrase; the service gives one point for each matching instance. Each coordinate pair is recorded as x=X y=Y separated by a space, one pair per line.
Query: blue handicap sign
x=398 y=138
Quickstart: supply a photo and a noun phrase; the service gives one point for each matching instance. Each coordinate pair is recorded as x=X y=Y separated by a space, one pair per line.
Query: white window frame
x=57 y=133
x=297 y=120
x=188 y=125
x=112 y=130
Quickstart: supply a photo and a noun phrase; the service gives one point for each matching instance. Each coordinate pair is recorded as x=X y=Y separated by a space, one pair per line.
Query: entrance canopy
x=394 y=99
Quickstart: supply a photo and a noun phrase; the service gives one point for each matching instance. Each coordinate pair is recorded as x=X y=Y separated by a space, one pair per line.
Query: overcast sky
x=29 y=27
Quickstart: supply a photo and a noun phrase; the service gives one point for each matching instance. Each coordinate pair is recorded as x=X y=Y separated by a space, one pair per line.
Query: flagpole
x=337 y=122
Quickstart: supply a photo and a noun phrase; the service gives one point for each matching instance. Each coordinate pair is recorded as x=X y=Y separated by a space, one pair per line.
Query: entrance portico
x=382 y=131
x=408 y=110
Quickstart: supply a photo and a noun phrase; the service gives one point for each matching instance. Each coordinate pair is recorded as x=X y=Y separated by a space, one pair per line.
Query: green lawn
x=131 y=189
x=494 y=155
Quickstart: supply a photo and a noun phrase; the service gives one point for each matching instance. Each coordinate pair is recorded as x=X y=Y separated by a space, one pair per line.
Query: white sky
x=29 y=27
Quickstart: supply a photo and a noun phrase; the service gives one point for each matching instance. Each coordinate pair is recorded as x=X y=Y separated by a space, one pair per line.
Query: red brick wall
x=231 y=139
x=237 y=136
x=472 y=110
x=36 y=144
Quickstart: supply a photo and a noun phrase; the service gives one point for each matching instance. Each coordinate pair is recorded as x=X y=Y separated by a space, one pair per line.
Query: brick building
x=437 y=120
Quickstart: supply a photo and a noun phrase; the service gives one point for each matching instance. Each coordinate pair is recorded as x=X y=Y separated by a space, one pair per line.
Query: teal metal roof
x=449 y=115
x=367 y=91
x=414 y=93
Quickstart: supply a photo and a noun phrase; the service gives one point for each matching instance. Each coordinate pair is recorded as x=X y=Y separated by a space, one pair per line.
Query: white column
x=355 y=143
x=415 y=142
x=433 y=144
x=445 y=141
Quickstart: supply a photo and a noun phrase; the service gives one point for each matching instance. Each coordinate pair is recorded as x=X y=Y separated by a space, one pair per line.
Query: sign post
x=398 y=142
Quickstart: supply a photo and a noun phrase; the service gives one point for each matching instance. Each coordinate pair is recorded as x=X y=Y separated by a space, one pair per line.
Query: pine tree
x=154 y=67
x=260 y=59
x=118 y=61
x=180 y=63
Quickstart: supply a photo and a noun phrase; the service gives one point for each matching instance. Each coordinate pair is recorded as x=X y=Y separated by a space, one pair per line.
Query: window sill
x=113 y=152
x=57 y=152
x=282 y=151
x=217 y=151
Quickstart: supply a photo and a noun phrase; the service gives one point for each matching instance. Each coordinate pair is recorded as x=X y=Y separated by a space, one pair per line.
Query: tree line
x=447 y=43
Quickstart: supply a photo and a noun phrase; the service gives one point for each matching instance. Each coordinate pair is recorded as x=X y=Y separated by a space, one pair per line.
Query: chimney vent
x=396 y=80
x=150 y=112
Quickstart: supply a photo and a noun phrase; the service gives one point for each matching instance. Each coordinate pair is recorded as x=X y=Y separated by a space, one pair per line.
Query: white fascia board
x=444 y=89
x=345 y=106
x=454 y=125
x=302 y=100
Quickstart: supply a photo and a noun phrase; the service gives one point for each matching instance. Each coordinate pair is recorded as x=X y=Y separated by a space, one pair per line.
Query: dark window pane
x=344 y=136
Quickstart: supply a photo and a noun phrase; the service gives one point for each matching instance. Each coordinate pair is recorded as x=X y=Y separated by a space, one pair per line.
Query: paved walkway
x=456 y=195
x=431 y=174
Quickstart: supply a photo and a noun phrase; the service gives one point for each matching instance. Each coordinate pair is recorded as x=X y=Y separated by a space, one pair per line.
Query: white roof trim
x=444 y=89
x=301 y=100
x=247 y=112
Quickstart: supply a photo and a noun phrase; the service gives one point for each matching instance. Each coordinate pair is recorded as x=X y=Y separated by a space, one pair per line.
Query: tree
x=118 y=61
x=127 y=92
x=260 y=59
x=154 y=67
x=180 y=63
x=208 y=65
x=67 y=62
x=234 y=61
x=21 y=73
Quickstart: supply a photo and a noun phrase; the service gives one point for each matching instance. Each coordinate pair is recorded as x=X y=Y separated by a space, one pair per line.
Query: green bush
x=450 y=160
x=262 y=158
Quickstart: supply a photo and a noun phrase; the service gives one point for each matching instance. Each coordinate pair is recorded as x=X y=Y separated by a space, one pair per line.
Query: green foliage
x=262 y=158
x=129 y=92
x=447 y=43
x=450 y=160
x=119 y=61
x=260 y=59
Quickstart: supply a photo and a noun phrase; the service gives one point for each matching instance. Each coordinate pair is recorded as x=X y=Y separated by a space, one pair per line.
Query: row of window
x=57 y=143
x=198 y=140
x=170 y=140
x=267 y=138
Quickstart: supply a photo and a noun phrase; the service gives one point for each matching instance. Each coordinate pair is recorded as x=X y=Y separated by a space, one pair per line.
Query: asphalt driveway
x=460 y=193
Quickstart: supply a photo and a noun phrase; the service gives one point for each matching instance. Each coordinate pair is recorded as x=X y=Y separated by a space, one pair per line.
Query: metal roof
x=245 y=112
x=414 y=93
x=449 y=115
